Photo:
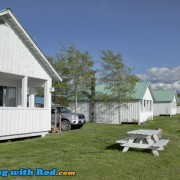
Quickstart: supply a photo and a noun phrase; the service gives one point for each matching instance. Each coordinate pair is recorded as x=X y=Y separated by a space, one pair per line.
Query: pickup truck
x=68 y=118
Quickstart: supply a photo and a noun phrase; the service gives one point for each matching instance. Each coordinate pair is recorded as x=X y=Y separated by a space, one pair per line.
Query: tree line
x=79 y=77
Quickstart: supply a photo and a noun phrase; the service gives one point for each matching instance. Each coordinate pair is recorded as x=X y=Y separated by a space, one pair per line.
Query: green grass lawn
x=92 y=152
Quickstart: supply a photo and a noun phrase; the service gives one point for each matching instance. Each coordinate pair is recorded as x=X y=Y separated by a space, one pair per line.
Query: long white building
x=139 y=110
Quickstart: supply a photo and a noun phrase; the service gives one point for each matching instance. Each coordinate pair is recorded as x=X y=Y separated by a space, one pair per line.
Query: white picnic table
x=144 y=139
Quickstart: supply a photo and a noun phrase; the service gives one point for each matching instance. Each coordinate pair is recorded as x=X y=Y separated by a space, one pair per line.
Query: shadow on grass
x=178 y=131
x=19 y=139
x=120 y=148
x=114 y=147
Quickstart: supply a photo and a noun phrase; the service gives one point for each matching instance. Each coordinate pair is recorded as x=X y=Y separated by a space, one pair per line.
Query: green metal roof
x=164 y=95
x=101 y=88
x=140 y=89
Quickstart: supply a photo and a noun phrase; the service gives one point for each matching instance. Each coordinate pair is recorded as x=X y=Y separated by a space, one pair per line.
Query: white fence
x=19 y=121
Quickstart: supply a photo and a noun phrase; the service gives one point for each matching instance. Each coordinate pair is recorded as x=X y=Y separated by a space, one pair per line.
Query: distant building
x=165 y=102
x=178 y=105
x=139 y=110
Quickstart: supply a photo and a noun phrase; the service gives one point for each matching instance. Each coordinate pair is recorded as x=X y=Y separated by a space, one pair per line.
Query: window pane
x=1 y=95
x=10 y=99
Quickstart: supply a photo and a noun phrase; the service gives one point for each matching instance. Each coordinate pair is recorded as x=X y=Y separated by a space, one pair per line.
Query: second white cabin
x=165 y=102
x=139 y=110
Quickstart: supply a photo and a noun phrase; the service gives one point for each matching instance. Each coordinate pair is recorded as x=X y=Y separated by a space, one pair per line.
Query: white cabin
x=138 y=111
x=165 y=102
x=23 y=68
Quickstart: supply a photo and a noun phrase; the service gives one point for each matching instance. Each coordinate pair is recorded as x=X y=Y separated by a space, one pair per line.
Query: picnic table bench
x=122 y=141
x=144 y=139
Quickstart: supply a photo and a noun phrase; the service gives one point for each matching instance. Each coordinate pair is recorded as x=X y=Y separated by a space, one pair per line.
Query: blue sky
x=145 y=32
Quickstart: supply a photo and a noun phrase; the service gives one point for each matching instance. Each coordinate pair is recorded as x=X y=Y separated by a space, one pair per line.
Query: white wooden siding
x=131 y=113
x=146 y=107
x=145 y=116
x=147 y=95
x=15 y=121
x=108 y=112
x=137 y=111
x=83 y=107
x=8 y=82
x=16 y=57
x=165 y=109
x=178 y=109
x=173 y=108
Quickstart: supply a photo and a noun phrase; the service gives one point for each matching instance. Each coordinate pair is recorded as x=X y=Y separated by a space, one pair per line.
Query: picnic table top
x=143 y=132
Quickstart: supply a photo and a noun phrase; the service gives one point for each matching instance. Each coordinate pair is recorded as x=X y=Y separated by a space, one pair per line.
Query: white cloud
x=175 y=85
x=143 y=76
x=164 y=74
x=163 y=77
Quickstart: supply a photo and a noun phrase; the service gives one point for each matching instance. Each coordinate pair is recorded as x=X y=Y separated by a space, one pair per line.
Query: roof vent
x=2 y=21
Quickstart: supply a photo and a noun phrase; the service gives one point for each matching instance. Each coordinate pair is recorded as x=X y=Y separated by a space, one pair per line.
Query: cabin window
x=142 y=109
x=144 y=103
x=52 y=111
x=7 y=96
x=147 y=107
x=1 y=96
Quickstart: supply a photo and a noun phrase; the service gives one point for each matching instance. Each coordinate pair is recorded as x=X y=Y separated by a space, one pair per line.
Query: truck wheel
x=65 y=125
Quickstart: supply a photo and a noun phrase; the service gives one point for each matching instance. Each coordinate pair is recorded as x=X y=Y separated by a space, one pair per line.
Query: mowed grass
x=92 y=152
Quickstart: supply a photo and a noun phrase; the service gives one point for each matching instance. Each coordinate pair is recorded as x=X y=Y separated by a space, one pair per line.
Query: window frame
x=5 y=96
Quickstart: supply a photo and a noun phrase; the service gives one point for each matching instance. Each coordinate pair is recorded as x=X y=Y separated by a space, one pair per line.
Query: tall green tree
x=62 y=89
x=118 y=79
x=75 y=68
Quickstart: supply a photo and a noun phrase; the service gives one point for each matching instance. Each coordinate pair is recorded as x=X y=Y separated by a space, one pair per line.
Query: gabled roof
x=8 y=15
x=140 y=89
x=164 y=95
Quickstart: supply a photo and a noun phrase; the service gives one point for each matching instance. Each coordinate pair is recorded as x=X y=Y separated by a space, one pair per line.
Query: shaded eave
x=25 y=36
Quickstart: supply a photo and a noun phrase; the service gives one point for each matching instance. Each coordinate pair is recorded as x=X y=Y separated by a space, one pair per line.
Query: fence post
x=60 y=115
x=55 y=123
